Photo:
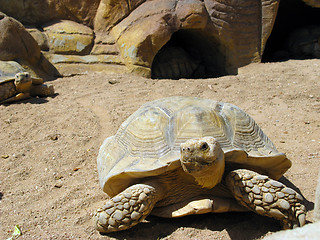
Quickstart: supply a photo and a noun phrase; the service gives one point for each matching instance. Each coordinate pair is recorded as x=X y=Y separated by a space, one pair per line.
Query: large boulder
x=16 y=42
x=231 y=30
x=68 y=37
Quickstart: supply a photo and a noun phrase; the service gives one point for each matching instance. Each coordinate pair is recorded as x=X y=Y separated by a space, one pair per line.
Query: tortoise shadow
x=238 y=225
x=308 y=204
x=32 y=100
x=1 y=195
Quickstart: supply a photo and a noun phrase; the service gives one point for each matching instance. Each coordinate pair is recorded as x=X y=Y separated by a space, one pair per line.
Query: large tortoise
x=17 y=84
x=182 y=155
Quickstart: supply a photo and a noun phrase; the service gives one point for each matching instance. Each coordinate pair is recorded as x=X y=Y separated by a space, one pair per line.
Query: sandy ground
x=48 y=148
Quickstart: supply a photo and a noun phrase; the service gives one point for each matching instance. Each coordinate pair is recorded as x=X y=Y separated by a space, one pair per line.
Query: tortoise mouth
x=195 y=165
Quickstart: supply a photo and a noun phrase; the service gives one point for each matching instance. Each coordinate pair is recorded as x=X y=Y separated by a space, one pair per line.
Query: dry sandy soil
x=48 y=148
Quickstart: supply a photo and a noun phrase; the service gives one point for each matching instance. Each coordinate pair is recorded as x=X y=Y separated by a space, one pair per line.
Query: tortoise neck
x=212 y=175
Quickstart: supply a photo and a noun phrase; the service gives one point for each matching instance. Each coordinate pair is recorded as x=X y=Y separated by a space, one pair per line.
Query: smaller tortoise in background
x=23 y=86
x=182 y=155
x=17 y=84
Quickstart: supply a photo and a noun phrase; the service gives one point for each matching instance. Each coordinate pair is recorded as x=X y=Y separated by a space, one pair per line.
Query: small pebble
x=58 y=185
x=113 y=81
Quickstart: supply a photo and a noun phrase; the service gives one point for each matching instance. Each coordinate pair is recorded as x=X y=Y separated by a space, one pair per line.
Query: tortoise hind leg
x=267 y=197
x=126 y=209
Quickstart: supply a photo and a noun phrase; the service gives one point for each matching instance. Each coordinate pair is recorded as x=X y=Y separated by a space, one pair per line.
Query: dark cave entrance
x=189 y=54
x=296 y=28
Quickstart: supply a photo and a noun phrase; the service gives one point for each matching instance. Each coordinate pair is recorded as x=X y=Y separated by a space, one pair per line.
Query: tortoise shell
x=148 y=142
x=8 y=70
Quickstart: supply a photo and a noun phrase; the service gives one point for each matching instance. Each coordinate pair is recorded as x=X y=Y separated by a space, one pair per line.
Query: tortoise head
x=204 y=159
x=22 y=82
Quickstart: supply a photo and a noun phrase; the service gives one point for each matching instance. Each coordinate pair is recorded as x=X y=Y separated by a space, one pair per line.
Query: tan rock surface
x=68 y=37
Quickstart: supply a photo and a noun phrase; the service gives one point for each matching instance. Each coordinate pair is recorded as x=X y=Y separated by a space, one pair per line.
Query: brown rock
x=39 y=12
x=231 y=29
x=16 y=42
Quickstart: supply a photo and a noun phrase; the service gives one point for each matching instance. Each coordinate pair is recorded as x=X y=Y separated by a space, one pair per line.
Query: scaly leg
x=267 y=197
x=126 y=209
x=18 y=97
x=42 y=90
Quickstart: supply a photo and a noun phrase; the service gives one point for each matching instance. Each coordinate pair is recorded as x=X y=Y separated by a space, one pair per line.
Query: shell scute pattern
x=7 y=89
x=148 y=142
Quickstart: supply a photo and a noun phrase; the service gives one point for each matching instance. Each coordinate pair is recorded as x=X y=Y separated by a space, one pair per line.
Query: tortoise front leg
x=267 y=197
x=126 y=209
x=18 y=97
x=42 y=90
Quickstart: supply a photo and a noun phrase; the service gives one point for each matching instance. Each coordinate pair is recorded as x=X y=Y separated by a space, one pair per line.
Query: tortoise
x=183 y=155
x=17 y=84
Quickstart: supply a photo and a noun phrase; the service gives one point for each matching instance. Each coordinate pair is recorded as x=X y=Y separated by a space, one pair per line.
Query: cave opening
x=296 y=33
x=189 y=54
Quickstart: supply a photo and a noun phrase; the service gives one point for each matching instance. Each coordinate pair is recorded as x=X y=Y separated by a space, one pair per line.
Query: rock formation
x=216 y=36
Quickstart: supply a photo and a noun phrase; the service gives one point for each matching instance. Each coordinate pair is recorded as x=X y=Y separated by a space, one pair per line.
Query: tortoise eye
x=204 y=146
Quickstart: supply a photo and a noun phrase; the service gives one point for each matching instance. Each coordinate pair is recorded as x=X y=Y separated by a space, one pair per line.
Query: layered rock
x=68 y=37
x=37 y=12
x=215 y=37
